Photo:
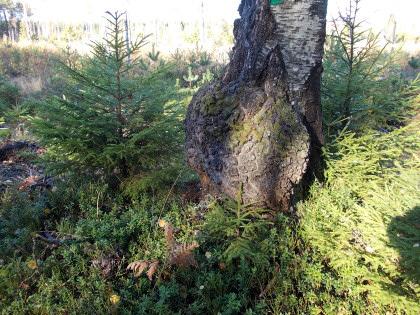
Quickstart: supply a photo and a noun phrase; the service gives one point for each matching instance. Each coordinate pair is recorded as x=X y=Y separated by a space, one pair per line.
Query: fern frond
x=152 y=269
x=138 y=267
x=179 y=254
x=182 y=255
x=169 y=236
x=239 y=248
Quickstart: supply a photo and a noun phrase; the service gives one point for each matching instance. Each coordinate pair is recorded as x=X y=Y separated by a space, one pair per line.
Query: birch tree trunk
x=6 y=22
x=259 y=128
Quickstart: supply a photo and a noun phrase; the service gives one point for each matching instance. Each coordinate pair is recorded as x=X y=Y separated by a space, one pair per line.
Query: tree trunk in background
x=6 y=22
x=259 y=128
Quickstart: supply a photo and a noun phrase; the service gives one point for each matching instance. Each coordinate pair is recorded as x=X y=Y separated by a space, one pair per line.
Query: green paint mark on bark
x=276 y=2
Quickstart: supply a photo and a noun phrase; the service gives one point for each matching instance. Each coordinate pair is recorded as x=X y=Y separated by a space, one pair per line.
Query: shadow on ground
x=404 y=234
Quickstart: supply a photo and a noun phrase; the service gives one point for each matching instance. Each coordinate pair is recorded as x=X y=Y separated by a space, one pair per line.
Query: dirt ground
x=17 y=166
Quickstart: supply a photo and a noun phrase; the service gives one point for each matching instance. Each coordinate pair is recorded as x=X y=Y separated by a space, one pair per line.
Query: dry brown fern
x=179 y=254
x=138 y=267
x=169 y=235
x=152 y=269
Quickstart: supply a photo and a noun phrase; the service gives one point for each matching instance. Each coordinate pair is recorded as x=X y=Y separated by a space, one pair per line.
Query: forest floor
x=17 y=167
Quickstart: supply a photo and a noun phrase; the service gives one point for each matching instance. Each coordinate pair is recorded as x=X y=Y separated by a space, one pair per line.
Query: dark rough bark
x=259 y=127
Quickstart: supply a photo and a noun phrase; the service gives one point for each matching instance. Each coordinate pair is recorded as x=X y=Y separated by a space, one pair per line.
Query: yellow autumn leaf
x=114 y=299
x=32 y=264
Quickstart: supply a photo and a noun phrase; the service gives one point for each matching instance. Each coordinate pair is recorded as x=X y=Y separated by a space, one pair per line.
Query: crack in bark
x=258 y=126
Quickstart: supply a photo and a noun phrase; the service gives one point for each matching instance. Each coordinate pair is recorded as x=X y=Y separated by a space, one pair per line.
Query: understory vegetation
x=109 y=220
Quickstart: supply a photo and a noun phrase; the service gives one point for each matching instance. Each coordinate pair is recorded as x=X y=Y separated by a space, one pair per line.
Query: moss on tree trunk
x=259 y=126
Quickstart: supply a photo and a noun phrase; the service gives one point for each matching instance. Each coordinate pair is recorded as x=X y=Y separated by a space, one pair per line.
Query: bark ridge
x=259 y=126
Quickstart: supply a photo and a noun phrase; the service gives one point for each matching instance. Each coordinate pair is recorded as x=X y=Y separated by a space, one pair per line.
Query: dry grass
x=29 y=85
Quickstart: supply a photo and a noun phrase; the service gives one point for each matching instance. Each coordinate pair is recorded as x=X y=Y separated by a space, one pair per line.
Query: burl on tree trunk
x=259 y=128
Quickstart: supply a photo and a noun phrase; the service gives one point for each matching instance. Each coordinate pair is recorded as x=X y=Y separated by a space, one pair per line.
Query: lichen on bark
x=259 y=126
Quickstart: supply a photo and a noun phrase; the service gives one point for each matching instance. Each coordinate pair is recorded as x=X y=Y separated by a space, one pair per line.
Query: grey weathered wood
x=259 y=127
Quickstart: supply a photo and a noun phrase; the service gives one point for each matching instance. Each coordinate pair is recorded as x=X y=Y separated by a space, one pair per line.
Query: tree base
x=258 y=129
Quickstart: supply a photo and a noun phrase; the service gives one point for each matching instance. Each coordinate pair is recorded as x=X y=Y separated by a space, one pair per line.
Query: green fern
x=241 y=226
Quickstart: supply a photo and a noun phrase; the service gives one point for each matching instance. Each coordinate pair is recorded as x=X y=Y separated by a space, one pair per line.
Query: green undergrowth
x=352 y=249
x=365 y=219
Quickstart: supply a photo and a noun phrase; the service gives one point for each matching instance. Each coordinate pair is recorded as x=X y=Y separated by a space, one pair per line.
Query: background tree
x=259 y=127
x=10 y=16
x=112 y=121
x=360 y=84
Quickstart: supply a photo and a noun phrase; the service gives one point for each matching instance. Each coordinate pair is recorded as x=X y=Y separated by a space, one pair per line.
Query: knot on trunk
x=259 y=125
